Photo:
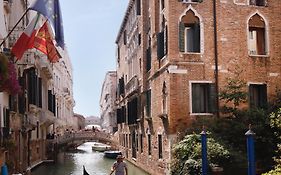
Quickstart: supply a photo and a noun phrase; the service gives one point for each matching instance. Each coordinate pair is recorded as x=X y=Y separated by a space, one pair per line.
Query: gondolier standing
x=119 y=166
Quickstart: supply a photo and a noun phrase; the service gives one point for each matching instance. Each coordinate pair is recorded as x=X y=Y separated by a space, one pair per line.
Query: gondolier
x=119 y=166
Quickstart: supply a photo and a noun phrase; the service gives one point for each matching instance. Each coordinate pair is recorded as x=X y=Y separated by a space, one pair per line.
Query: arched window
x=257 y=36
x=189 y=33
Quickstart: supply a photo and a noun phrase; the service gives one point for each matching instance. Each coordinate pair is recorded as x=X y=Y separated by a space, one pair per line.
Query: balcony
x=30 y=120
x=132 y=85
x=46 y=67
x=47 y=118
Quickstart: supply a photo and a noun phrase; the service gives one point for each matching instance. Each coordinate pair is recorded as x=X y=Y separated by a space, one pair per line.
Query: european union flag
x=51 y=10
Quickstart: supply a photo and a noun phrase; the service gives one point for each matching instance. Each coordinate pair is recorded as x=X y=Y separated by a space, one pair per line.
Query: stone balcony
x=47 y=118
x=46 y=67
x=132 y=85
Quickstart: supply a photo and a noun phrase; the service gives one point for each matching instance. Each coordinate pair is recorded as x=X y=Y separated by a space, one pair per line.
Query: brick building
x=174 y=57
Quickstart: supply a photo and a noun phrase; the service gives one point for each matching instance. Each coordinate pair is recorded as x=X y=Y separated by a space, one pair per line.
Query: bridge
x=83 y=136
x=73 y=140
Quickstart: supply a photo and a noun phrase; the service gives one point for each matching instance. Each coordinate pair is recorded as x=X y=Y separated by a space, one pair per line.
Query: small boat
x=84 y=171
x=112 y=154
x=100 y=147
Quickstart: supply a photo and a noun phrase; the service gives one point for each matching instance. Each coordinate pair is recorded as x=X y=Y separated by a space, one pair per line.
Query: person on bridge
x=119 y=166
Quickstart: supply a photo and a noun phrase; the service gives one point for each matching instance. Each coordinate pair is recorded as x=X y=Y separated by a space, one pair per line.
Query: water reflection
x=71 y=163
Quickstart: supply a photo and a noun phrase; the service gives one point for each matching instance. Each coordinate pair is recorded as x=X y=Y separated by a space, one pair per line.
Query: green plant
x=187 y=155
x=233 y=93
x=275 y=123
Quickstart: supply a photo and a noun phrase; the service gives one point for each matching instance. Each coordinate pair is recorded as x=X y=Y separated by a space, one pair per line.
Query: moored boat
x=112 y=154
x=100 y=147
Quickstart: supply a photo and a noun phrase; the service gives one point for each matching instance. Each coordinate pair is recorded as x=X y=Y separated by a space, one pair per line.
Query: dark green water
x=71 y=163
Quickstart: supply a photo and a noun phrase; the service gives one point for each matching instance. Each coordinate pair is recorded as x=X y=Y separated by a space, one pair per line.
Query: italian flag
x=26 y=40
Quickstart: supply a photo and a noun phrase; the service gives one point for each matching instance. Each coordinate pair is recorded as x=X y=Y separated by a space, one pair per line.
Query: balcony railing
x=46 y=68
x=132 y=85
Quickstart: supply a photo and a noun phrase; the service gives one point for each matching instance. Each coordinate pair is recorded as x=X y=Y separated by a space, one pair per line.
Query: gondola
x=84 y=171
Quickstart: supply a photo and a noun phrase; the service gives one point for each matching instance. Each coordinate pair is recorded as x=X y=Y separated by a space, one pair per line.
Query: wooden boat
x=100 y=147
x=112 y=154
x=84 y=171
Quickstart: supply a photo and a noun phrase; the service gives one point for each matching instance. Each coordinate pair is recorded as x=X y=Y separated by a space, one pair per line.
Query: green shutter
x=181 y=37
x=196 y=37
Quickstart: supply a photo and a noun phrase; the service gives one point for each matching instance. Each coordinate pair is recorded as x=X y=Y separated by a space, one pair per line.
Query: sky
x=90 y=29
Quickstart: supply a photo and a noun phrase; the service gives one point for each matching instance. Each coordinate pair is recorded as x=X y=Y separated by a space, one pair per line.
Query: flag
x=43 y=42
x=51 y=10
x=26 y=39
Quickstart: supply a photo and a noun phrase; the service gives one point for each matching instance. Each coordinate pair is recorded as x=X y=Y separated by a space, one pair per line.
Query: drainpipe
x=216 y=57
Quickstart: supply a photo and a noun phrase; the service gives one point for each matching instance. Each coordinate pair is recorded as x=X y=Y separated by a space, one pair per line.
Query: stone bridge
x=73 y=140
x=83 y=136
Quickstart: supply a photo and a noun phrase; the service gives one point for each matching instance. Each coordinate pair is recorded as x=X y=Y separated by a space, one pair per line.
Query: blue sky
x=90 y=29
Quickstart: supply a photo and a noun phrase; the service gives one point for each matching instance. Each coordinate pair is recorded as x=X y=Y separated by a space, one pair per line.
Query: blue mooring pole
x=204 y=152
x=251 y=151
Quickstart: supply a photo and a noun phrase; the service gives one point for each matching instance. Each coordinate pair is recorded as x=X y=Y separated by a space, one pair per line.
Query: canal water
x=71 y=163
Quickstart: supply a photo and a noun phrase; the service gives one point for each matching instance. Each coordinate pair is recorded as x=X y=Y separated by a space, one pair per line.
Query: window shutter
x=40 y=91
x=138 y=6
x=195 y=98
x=212 y=98
x=21 y=97
x=160 y=45
x=50 y=101
x=196 y=37
x=181 y=37
x=263 y=96
x=54 y=105
x=148 y=59
x=118 y=116
x=166 y=41
x=251 y=96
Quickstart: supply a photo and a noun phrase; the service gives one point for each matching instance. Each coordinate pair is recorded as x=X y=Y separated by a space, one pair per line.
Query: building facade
x=174 y=58
x=44 y=101
x=107 y=103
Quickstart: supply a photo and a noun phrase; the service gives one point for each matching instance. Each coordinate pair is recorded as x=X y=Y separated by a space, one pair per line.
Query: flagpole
x=14 y=28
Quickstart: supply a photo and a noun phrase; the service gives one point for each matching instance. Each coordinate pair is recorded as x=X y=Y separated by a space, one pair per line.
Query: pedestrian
x=119 y=166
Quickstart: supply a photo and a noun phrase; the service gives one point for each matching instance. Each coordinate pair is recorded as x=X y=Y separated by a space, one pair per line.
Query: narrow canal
x=71 y=163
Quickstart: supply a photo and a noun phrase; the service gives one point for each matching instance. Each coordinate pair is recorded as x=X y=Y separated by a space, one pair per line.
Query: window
x=160 y=147
x=257 y=36
x=258 y=95
x=190 y=1
x=149 y=144
x=148 y=103
x=203 y=97
x=189 y=33
x=258 y=2
x=141 y=143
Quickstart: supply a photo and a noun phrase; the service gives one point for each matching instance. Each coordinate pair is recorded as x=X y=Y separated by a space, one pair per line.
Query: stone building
x=45 y=102
x=107 y=103
x=173 y=59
